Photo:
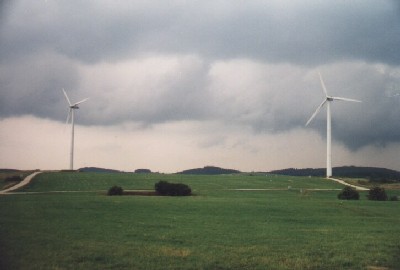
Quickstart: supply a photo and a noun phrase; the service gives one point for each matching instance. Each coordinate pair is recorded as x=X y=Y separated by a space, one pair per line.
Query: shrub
x=348 y=193
x=394 y=198
x=171 y=189
x=115 y=190
x=377 y=194
x=161 y=187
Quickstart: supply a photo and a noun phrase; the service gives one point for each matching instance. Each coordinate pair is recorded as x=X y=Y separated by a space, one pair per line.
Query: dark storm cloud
x=375 y=120
x=31 y=85
x=296 y=31
x=45 y=45
x=4 y=5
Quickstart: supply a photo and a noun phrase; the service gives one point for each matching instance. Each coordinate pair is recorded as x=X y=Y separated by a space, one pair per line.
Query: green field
x=217 y=228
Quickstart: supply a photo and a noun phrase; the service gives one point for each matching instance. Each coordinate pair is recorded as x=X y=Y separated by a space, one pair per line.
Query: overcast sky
x=180 y=84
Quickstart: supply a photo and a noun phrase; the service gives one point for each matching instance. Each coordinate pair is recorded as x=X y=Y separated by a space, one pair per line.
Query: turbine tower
x=327 y=100
x=72 y=107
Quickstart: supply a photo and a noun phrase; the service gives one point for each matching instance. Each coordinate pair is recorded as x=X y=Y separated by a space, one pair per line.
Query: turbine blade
x=68 y=116
x=65 y=94
x=346 y=99
x=79 y=102
x=316 y=111
x=323 y=84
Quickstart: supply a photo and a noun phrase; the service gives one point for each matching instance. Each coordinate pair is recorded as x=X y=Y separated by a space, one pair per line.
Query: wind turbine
x=327 y=100
x=72 y=107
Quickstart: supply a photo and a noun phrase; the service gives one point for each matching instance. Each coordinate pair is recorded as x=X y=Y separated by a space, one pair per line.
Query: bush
x=348 y=193
x=115 y=190
x=394 y=198
x=377 y=194
x=171 y=189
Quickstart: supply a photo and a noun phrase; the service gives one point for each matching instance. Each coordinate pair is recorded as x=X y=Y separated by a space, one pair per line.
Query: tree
x=348 y=193
x=377 y=194
x=115 y=190
x=171 y=189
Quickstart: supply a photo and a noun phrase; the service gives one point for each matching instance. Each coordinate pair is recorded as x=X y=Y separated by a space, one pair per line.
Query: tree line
x=373 y=174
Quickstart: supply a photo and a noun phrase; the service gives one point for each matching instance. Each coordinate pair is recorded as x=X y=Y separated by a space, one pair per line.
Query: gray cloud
x=244 y=64
x=32 y=85
x=279 y=31
x=375 y=121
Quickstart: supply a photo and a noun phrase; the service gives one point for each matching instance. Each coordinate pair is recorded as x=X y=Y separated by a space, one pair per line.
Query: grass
x=365 y=183
x=216 y=229
x=68 y=181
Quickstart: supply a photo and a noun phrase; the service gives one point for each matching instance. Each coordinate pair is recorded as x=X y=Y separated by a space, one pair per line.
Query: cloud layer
x=242 y=65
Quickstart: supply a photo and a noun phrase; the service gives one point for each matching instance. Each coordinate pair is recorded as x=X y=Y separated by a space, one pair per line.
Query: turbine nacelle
x=330 y=98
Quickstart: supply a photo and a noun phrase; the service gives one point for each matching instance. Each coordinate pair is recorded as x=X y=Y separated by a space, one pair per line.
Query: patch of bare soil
x=395 y=186
x=377 y=268
x=141 y=193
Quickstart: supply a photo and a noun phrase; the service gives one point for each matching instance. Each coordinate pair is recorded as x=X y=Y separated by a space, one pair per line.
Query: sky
x=174 y=85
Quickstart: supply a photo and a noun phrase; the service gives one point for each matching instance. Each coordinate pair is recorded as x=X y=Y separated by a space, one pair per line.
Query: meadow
x=288 y=226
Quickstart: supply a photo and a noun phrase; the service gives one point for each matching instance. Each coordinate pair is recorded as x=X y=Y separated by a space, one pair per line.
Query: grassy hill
x=97 y=170
x=209 y=170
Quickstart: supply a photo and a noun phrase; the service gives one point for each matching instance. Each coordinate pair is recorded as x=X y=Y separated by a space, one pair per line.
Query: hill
x=209 y=170
x=95 y=169
x=371 y=173
x=142 y=171
x=9 y=170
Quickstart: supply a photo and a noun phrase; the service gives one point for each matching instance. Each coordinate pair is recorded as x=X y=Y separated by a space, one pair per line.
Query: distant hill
x=209 y=170
x=371 y=173
x=142 y=171
x=98 y=170
x=9 y=170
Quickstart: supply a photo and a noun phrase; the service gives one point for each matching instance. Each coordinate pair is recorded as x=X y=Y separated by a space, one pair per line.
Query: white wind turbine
x=72 y=107
x=327 y=100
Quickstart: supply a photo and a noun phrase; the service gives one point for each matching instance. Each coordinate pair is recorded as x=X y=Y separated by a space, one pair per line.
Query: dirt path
x=316 y=189
x=347 y=184
x=20 y=184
